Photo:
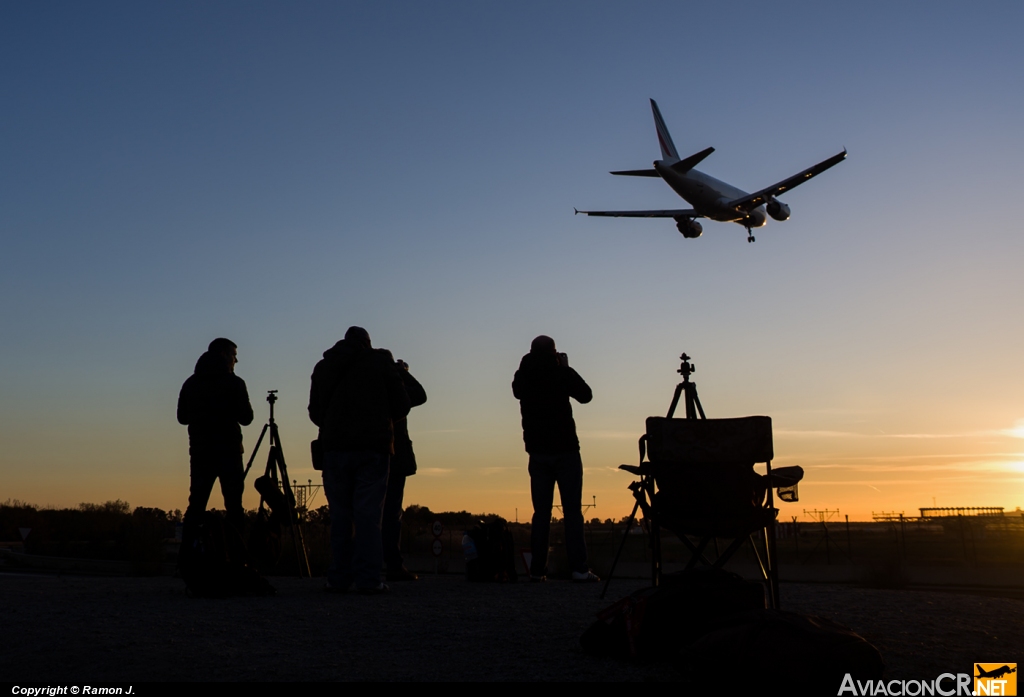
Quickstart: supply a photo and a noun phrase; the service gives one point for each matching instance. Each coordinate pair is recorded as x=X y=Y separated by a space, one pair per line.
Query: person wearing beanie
x=543 y=385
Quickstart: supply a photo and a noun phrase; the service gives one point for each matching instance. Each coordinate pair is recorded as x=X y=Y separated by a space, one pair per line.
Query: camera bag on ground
x=213 y=562
x=657 y=622
x=496 y=558
x=265 y=541
x=793 y=653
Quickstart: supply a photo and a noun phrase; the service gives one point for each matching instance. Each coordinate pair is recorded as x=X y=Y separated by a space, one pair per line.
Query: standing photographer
x=213 y=403
x=355 y=397
x=543 y=385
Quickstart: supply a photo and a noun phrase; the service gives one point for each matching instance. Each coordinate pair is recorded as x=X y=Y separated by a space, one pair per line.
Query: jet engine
x=778 y=210
x=689 y=227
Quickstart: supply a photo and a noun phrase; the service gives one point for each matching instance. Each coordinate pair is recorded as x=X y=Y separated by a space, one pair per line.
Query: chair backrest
x=710 y=441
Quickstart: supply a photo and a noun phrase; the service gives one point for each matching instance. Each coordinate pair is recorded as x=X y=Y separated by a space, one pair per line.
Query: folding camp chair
x=699 y=482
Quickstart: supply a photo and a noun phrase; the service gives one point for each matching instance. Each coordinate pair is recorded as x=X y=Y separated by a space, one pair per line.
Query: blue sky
x=274 y=172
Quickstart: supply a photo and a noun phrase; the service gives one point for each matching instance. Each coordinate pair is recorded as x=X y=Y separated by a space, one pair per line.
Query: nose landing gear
x=750 y=238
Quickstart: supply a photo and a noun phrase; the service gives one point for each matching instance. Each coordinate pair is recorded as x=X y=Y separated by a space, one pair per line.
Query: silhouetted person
x=403 y=464
x=355 y=397
x=543 y=385
x=214 y=403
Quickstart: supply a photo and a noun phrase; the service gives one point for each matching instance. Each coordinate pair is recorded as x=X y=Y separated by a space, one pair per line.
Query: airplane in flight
x=711 y=198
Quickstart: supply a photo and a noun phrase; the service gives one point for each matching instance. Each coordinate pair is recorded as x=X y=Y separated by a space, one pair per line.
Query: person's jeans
x=391 y=528
x=355 y=484
x=206 y=468
x=566 y=470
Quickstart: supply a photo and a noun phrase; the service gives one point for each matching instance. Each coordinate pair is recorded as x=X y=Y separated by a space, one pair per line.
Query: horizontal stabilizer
x=684 y=166
x=637 y=173
x=670 y=213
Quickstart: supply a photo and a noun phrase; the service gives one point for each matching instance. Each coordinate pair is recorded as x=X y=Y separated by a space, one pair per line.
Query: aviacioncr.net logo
x=945 y=685
x=995 y=678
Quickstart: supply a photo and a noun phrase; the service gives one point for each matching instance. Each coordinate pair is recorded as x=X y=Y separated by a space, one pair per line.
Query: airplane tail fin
x=668 y=148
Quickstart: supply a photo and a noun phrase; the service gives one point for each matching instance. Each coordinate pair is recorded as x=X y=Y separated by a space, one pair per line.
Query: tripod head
x=271 y=397
x=686 y=368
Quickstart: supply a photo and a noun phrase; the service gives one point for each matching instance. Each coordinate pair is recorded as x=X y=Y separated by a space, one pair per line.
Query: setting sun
x=1017 y=431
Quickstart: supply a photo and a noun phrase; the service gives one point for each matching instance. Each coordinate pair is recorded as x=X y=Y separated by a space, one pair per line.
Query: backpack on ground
x=265 y=542
x=658 y=622
x=777 y=651
x=213 y=562
x=495 y=553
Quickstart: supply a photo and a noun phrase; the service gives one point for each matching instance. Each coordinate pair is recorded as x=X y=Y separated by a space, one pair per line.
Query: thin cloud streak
x=496 y=470
x=962 y=466
x=901 y=482
x=1008 y=456
x=917 y=436
x=618 y=435
x=899 y=458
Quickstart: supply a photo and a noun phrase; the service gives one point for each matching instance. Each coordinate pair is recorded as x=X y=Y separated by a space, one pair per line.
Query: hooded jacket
x=403 y=462
x=543 y=387
x=355 y=396
x=213 y=402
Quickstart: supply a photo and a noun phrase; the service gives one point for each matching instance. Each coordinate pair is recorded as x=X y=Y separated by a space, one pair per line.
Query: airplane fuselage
x=709 y=196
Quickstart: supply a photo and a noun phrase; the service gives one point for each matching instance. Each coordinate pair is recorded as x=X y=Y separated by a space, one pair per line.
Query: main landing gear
x=750 y=238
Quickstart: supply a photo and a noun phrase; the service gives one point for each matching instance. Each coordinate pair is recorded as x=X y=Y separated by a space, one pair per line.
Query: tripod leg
x=696 y=400
x=675 y=401
x=772 y=564
x=769 y=543
x=625 y=536
x=693 y=406
x=655 y=553
x=255 y=450
x=301 y=557
x=297 y=541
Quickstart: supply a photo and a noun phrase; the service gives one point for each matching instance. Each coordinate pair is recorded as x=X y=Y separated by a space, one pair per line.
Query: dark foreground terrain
x=79 y=629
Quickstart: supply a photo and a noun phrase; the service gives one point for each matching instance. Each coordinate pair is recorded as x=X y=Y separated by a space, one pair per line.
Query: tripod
x=267 y=485
x=687 y=390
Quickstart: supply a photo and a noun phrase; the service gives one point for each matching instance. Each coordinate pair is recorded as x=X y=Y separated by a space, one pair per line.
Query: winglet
x=668 y=148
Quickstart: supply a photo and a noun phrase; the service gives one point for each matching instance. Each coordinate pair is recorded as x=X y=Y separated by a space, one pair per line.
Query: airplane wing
x=668 y=213
x=752 y=201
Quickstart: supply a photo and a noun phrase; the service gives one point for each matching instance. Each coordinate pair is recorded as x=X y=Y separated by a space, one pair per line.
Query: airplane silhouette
x=995 y=673
x=711 y=198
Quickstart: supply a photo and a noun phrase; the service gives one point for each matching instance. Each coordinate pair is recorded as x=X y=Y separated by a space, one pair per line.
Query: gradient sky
x=275 y=172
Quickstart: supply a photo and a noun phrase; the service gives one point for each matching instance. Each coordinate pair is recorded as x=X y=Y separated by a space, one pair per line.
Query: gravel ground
x=78 y=629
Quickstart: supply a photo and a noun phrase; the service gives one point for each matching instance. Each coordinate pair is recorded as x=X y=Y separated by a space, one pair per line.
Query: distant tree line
x=115 y=531
x=110 y=530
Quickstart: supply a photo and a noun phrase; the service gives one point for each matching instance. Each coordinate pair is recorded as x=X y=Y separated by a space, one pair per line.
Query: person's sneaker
x=538 y=579
x=584 y=577
x=402 y=574
x=379 y=589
